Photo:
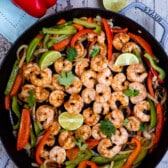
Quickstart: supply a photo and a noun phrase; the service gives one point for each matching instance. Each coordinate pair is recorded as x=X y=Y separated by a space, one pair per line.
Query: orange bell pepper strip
x=24 y=129
x=87 y=163
x=17 y=83
x=109 y=38
x=159 y=126
x=72 y=153
x=142 y=42
x=134 y=154
x=40 y=146
x=78 y=26
x=79 y=34
x=92 y=143
x=61 y=21
x=7 y=102
x=124 y=30
x=149 y=84
x=62 y=44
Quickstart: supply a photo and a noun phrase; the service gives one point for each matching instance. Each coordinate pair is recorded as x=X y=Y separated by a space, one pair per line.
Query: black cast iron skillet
x=21 y=158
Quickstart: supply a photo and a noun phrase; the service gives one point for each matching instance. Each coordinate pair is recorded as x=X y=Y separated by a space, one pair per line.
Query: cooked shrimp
x=116 y=117
x=118 y=99
x=62 y=64
x=130 y=47
x=88 y=95
x=111 y=64
x=83 y=132
x=80 y=67
x=88 y=78
x=119 y=40
x=74 y=87
x=103 y=49
x=56 y=98
x=74 y=104
x=29 y=68
x=107 y=149
x=66 y=139
x=139 y=111
x=120 y=137
x=81 y=51
x=142 y=92
x=105 y=77
x=42 y=77
x=90 y=118
x=45 y=114
x=119 y=82
x=98 y=63
x=101 y=108
x=57 y=154
x=133 y=124
x=91 y=36
x=50 y=141
x=56 y=84
x=136 y=72
x=44 y=153
x=55 y=128
x=97 y=133
x=103 y=93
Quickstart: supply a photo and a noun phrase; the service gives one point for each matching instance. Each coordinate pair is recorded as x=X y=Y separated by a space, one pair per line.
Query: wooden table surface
x=159 y=6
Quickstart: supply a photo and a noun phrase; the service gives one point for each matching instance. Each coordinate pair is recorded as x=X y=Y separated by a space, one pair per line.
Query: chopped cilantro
x=30 y=99
x=71 y=53
x=80 y=144
x=125 y=122
x=66 y=78
x=141 y=127
x=107 y=127
x=131 y=92
x=94 y=51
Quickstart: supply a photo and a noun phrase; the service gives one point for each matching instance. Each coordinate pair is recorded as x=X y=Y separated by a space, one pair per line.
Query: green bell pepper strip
x=88 y=24
x=32 y=138
x=119 y=163
x=141 y=156
x=161 y=72
x=60 y=26
x=81 y=156
x=12 y=77
x=36 y=128
x=16 y=110
x=32 y=46
x=65 y=30
x=102 y=160
x=56 y=40
x=45 y=41
x=152 y=114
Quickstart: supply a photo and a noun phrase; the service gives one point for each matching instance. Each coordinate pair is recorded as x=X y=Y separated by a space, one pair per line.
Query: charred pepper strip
x=161 y=72
x=32 y=46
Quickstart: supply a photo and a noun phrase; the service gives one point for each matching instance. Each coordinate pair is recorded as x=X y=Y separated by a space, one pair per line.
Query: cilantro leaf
x=30 y=99
x=131 y=92
x=94 y=50
x=66 y=78
x=125 y=122
x=141 y=127
x=107 y=127
x=71 y=53
x=80 y=144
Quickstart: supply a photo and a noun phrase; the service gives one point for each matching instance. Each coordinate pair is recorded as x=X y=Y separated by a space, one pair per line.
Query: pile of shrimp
x=97 y=93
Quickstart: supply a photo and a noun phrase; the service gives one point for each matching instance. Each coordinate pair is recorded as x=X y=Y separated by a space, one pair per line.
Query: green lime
x=126 y=59
x=48 y=58
x=115 y=5
x=70 y=121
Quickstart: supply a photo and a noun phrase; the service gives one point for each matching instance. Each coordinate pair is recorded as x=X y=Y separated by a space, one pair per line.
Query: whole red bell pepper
x=35 y=8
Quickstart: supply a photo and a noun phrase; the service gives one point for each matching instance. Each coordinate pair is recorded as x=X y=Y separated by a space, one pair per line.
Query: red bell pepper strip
x=142 y=42
x=40 y=146
x=62 y=44
x=86 y=163
x=7 y=102
x=124 y=30
x=149 y=84
x=35 y=8
x=17 y=83
x=24 y=129
x=134 y=154
x=92 y=143
x=109 y=38
x=79 y=34
x=159 y=126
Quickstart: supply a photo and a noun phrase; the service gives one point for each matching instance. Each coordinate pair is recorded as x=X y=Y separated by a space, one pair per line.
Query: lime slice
x=115 y=5
x=70 y=121
x=48 y=58
x=126 y=59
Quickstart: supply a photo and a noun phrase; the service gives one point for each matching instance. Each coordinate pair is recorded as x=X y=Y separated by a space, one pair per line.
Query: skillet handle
x=153 y=15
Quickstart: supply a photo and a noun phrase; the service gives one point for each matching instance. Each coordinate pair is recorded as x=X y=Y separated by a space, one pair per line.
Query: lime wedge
x=115 y=5
x=126 y=59
x=70 y=121
x=48 y=58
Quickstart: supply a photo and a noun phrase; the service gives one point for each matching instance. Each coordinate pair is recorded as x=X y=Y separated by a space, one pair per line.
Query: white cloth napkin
x=13 y=20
